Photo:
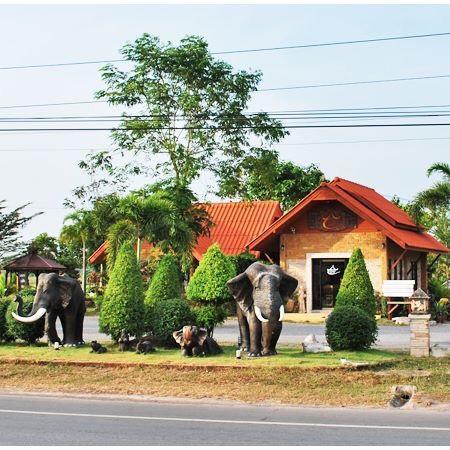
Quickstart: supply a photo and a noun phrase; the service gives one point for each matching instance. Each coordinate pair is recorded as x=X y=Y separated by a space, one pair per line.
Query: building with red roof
x=314 y=240
x=234 y=225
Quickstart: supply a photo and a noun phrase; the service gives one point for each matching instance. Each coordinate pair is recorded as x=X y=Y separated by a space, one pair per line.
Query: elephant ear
x=202 y=334
x=241 y=289
x=178 y=336
x=65 y=287
x=288 y=285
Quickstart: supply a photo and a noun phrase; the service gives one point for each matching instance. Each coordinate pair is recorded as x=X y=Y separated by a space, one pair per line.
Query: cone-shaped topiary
x=165 y=283
x=123 y=303
x=208 y=285
x=356 y=288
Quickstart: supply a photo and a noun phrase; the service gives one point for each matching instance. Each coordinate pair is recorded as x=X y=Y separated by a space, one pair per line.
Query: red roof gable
x=368 y=204
x=235 y=224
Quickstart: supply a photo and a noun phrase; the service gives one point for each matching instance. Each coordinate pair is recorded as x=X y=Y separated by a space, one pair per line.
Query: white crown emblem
x=333 y=270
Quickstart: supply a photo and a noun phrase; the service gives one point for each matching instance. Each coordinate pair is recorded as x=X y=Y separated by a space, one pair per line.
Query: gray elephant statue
x=194 y=341
x=58 y=296
x=260 y=293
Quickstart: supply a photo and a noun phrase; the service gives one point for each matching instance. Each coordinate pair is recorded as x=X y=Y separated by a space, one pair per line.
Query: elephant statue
x=260 y=293
x=58 y=296
x=194 y=341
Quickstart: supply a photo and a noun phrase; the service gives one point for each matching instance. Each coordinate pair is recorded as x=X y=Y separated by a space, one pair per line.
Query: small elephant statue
x=260 y=293
x=124 y=342
x=57 y=296
x=194 y=341
x=144 y=347
x=97 y=347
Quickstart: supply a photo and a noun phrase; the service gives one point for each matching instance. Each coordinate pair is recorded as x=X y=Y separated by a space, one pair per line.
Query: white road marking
x=225 y=421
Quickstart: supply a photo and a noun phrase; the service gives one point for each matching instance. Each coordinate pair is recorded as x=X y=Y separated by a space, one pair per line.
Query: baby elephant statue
x=97 y=347
x=144 y=346
x=260 y=293
x=194 y=341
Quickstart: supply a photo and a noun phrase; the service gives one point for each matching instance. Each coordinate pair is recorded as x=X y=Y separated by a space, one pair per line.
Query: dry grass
x=274 y=380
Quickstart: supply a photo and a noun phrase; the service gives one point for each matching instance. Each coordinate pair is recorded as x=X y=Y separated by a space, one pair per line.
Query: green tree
x=44 y=245
x=123 y=303
x=10 y=224
x=208 y=283
x=119 y=233
x=192 y=113
x=165 y=283
x=76 y=229
x=264 y=177
x=356 y=288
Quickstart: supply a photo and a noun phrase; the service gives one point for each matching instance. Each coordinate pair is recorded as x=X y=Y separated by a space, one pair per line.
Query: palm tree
x=119 y=233
x=150 y=215
x=438 y=195
x=77 y=227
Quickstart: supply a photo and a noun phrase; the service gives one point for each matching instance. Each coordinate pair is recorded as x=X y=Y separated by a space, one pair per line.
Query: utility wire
x=252 y=50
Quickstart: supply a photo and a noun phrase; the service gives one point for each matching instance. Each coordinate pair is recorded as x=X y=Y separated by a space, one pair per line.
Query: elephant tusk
x=281 y=313
x=36 y=316
x=259 y=315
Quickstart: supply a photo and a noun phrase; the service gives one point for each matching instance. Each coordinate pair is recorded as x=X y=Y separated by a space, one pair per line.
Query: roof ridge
x=337 y=179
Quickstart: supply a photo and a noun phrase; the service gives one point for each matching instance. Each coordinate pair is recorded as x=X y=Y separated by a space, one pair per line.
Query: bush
x=350 y=328
x=169 y=316
x=208 y=316
x=356 y=288
x=98 y=301
x=28 y=332
x=4 y=303
x=242 y=261
x=123 y=303
x=165 y=283
x=2 y=285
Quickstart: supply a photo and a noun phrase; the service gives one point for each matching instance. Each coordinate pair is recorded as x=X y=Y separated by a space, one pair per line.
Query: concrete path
x=28 y=420
x=390 y=337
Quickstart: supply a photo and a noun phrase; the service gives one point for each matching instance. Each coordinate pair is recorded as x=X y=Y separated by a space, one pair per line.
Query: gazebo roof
x=33 y=262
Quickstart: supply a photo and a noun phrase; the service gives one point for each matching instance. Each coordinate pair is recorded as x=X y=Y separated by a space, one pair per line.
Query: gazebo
x=32 y=263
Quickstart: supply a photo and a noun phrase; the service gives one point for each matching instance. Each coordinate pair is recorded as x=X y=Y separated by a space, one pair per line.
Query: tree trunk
x=83 y=276
x=138 y=249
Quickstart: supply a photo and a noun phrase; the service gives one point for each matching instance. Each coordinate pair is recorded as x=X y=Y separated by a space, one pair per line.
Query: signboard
x=398 y=288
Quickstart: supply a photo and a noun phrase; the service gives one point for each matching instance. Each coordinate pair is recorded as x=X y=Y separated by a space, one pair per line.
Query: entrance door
x=327 y=275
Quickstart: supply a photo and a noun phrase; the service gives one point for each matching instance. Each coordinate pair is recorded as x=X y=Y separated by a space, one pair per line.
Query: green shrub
x=165 y=283
x=356 y=288
x=208 y=285
x=4 y=303
x=98 y=301
x=123 y=303
x=27 y=292
x=208 y=316
x=2 y=285
x=169 y=316
x=350 y=328
x=242 y=261
x=28 y=332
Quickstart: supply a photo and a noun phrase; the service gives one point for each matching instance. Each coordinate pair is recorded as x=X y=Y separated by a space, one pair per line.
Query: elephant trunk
x=38 y=310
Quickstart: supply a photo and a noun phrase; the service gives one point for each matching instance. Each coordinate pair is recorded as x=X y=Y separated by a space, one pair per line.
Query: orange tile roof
x=234 y=225
x=370 y=205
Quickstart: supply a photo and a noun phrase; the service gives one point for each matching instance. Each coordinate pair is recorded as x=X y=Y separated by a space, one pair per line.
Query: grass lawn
x=289 y=378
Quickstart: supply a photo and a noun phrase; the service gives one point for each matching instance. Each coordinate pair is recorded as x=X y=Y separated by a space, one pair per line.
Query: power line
x=363 y=141
x=353 y=83
x=37 y=105
x=371 y=125
x=252 y=50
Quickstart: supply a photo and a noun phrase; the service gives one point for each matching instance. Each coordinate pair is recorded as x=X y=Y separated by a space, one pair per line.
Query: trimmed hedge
x=123 y=304
x=208 y=316
x=350 y=328
x=169 y=316
x=356 y=288
x=4 y=303
x=28 y=332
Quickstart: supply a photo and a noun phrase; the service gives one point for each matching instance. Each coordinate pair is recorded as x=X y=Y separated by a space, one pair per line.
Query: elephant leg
x=50 y=327
x=255 y=336
x=63 y=325
x=70 y=320
x=79 y=325
x=275 y=336
x=270 y=335
x=243 y=329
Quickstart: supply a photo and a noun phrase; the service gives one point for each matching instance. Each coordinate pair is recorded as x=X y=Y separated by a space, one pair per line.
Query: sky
x=42 y=168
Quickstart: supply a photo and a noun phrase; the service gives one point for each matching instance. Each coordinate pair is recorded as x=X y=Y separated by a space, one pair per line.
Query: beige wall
x=296 y=251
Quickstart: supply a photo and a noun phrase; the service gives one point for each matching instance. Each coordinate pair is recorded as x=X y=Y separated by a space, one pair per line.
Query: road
x=26 y=420
x=389 y=337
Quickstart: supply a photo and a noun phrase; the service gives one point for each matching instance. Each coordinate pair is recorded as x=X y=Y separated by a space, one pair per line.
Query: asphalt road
x=26 y=420
x=389 y=337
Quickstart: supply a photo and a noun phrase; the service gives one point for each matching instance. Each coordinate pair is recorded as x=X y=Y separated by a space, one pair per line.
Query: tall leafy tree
x=265 y=177
x=119 y=233
x=10 y=225
x=76 y=229
x=187 y=113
